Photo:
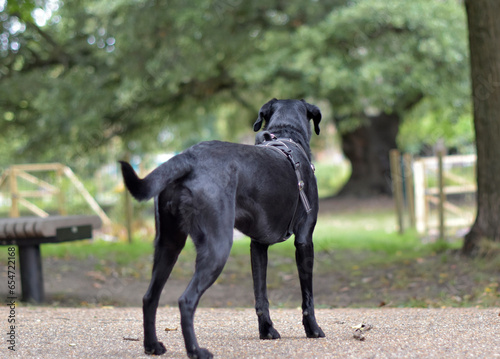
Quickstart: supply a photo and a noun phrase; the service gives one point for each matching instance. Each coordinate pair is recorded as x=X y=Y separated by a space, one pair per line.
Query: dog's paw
x=155 y=348
x=312 y=329
x=201 y=353
x=270 y=333
x=316 y=333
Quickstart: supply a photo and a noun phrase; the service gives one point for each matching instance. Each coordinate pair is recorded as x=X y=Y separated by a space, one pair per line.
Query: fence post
x=14 y=207
x=441 y=194
x=420 y=200
x=397 y=186
x=60 y=194
x=409 y=187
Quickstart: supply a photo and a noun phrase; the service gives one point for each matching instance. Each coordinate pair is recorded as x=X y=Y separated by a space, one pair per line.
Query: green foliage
x=331 y=178
x=167 y=74
x=377 y=55
x=22 y=9
x=425 y=125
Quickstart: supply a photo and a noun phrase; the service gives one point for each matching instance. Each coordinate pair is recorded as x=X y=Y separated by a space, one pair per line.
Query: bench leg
x=30 y=262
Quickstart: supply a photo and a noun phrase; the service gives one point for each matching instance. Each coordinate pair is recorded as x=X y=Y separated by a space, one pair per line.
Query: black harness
x=280 y=145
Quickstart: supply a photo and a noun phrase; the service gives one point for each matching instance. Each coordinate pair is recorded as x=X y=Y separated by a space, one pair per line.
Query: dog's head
x=293 y=114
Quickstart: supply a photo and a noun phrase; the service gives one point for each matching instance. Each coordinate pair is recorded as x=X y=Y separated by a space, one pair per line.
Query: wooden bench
x=28 y=233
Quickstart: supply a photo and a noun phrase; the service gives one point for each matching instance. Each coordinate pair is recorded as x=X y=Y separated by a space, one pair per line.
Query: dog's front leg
x=259 y=272
x=304 y=255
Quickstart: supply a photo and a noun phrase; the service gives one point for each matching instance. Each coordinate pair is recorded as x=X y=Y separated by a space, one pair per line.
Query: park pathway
x=46 y=332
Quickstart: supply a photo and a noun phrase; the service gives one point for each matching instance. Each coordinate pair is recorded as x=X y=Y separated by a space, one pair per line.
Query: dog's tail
x=155 y=182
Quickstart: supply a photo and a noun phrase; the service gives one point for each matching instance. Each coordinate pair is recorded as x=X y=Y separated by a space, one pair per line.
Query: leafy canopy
x=78 y=75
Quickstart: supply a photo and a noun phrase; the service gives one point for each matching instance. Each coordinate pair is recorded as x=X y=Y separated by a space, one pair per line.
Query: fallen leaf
x=363 y=327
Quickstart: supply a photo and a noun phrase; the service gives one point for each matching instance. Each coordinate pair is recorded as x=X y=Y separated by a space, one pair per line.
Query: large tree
x=375 y=61
x=484 y=40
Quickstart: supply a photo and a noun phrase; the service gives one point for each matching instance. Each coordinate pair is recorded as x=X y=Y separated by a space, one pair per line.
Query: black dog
x=213 y=187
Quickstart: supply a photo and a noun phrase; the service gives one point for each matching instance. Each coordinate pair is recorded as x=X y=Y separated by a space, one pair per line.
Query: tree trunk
x=367 y=148
x=484 y=42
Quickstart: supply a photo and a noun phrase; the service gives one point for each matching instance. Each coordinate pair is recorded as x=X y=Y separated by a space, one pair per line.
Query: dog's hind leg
x=304 y=255
x=258 y=253
x=212 y=253
x=168 y=244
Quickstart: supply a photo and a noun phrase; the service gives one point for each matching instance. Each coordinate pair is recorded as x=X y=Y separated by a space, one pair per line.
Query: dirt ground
x=417 y=284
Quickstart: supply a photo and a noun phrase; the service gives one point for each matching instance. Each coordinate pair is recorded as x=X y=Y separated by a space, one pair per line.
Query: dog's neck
x=284 y=133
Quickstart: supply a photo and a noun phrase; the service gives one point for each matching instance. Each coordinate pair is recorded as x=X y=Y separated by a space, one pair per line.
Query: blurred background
x=87 y=83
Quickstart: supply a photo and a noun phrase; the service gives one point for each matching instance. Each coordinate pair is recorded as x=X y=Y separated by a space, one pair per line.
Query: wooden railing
x=14 y=173
x=437 y=195
x=410 y=179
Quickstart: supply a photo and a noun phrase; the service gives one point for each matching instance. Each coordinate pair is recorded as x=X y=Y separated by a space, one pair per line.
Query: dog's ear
x=265 y=113
x=313 y=113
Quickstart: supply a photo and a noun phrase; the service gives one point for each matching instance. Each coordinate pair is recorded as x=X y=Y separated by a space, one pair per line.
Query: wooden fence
x=423 y=188
x=11 y=178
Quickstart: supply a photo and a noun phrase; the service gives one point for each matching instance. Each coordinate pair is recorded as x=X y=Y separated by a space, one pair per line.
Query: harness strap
x=280 y=146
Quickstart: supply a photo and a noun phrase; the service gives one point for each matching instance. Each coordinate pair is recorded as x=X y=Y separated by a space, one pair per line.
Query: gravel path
x=43 y=332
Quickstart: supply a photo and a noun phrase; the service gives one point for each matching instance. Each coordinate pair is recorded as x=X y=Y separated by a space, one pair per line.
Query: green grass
x=353 y=231
x=375 y=232
x=120 y=253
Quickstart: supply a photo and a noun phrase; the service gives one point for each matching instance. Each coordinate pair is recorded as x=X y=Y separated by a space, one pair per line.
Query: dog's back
x=256 y=181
